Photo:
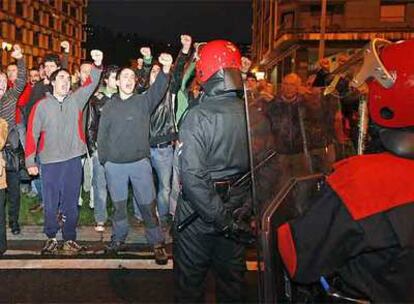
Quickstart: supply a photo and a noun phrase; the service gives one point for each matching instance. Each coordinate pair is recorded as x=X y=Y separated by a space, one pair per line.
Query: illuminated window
x=393 y=13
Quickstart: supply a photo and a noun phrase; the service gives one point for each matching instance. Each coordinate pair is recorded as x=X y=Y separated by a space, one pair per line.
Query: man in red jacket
x=359 y=233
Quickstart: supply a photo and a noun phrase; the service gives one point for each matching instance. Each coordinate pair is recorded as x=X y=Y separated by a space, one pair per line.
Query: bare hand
x=166 y=61
x=97 y=57
x=65 y=45
x=246 y=63
x=17 y=52
x=146 y=52
x=140 y=63
x=33 y=170
x=186 y=41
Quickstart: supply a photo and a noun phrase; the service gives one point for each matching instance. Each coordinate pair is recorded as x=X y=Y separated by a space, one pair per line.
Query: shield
x=294 y=144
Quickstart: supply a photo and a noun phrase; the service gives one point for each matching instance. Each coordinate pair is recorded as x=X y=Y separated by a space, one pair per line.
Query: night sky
x=162 y=21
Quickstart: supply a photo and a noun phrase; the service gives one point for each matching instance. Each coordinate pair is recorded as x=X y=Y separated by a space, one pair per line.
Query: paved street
x=132 y=276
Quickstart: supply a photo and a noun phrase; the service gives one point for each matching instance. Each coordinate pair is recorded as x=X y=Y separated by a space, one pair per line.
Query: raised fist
x=166 y=61
x=146 y=52
x=65 y=45
x=186 y=41
x=140 y=63
x=97 y=57
x=33 y=170
x=17 y=52
x=245 y=64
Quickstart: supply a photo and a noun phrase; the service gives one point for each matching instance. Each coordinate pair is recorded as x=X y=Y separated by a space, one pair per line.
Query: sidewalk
x=85 y=234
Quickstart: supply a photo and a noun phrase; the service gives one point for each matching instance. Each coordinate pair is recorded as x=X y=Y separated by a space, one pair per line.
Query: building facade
x=39 y=26
x=286 y=33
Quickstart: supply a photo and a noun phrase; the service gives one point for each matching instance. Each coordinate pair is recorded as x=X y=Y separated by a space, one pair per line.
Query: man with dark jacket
x=94 y=110
x=143 y=70
x=303 y=131
x=124 y=150
x=359 y=233
x=55 y=133
x=163 y=133
x=213 y=154
x=8 y=103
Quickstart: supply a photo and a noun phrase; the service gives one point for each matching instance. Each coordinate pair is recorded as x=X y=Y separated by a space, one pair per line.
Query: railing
x=340 y=29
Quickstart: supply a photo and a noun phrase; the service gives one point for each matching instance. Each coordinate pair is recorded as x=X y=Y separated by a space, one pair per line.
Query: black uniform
x=360 y=232
x=214 y=153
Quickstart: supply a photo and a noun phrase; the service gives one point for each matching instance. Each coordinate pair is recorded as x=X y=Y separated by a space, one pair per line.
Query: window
x=19 y=8
x=36 y=16
x=393 y=13
x=287 y=20
x=72 y=11
x=49 y=42
x=331 y=9
x=65 y=8
x=19 y=34
x=36 y=38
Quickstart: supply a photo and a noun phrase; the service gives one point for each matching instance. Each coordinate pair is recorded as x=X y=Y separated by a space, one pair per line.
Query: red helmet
x=214 y=56
x=391 y=97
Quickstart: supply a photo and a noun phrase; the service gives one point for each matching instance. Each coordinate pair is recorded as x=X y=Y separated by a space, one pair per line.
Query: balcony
x=336 y=32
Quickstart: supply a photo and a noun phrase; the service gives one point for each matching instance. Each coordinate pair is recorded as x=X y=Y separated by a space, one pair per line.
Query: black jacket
x=38 y=92
x=214 y=147
x=163 y=126
x=94 y=109
x=123 y=135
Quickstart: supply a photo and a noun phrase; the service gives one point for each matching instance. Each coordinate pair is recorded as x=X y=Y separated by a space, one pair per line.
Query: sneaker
x=15 y=228
x=161 y=257
x=51 y=246
x=99 y=227
x=114 y=247
x=71 y=247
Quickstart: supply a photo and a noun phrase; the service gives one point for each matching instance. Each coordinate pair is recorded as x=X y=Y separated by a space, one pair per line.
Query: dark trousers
x=195 y=254
x=61 y=184
x=13 y=195
x=3 y=239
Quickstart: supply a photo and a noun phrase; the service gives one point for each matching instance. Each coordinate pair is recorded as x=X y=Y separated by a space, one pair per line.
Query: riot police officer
x=213 y=155
x=359 y=234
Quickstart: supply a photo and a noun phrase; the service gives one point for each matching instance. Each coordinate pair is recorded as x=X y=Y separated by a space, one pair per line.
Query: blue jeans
x=161 y=160
x=99 y=189
x=139 y=173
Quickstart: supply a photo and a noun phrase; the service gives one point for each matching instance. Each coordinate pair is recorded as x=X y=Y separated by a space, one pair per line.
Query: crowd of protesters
x=78 y=128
